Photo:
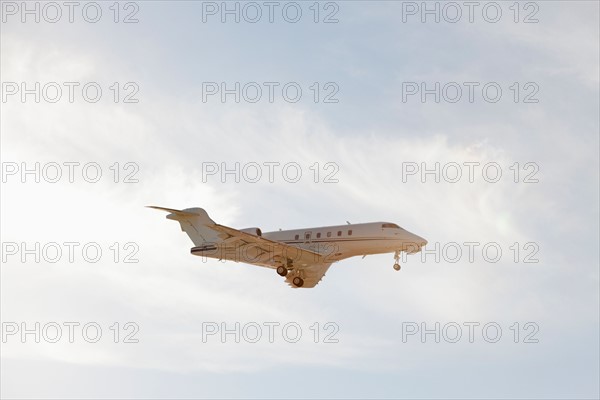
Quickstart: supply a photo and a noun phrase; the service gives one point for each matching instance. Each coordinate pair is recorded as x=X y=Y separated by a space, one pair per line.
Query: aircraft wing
x=267 y=253
x=254 y=249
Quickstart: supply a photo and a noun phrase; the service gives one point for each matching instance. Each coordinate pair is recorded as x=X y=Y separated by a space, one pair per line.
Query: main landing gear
x=282 y=271
x=297 y=281
x=397 y=261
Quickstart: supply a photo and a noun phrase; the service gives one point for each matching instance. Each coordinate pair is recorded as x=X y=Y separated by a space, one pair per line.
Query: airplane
x=302 y=256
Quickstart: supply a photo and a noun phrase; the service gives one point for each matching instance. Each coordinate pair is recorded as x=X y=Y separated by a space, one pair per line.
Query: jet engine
x=252 y=231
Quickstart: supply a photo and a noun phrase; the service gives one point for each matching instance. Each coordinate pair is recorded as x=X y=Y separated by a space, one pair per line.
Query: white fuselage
x=343 y=241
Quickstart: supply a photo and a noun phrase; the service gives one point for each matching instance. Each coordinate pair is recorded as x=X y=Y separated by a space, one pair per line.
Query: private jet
x=302 y=256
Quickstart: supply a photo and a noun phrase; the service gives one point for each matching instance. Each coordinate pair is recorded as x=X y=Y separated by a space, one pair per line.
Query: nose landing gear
x=397 y=260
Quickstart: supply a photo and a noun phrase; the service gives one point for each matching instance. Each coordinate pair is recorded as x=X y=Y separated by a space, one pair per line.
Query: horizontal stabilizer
x=197 y=213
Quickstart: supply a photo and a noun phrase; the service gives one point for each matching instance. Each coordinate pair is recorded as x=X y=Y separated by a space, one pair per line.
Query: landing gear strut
x=397 y=260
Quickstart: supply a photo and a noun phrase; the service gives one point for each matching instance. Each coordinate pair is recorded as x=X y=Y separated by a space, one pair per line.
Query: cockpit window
x=390 y=226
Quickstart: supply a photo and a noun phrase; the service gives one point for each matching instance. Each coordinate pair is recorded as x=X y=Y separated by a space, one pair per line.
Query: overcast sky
x=365 y=133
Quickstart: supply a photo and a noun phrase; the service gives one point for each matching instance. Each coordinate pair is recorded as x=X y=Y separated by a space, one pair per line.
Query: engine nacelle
x=252 y=231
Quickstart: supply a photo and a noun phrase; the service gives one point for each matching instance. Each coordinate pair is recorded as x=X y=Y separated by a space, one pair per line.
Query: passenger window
x=350 y=232
x=318 y=235
x=339 y=233
x=328 y=234
x=297 y=237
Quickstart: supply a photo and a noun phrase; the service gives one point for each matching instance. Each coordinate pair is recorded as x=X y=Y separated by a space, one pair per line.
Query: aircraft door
x=308 y=238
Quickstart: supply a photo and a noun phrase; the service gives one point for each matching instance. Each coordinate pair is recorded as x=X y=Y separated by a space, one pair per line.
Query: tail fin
x=195 y=222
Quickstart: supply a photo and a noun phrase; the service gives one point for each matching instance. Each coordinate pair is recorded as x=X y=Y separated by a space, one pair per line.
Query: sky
x=359 y=119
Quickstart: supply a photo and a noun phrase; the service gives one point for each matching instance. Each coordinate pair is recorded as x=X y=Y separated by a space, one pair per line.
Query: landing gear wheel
x=397 y=261
x=298 y=282
x=281 y=270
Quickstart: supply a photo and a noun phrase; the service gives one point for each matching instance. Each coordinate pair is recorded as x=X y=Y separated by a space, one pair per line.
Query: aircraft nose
x=421 y=242
x=415 y=243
